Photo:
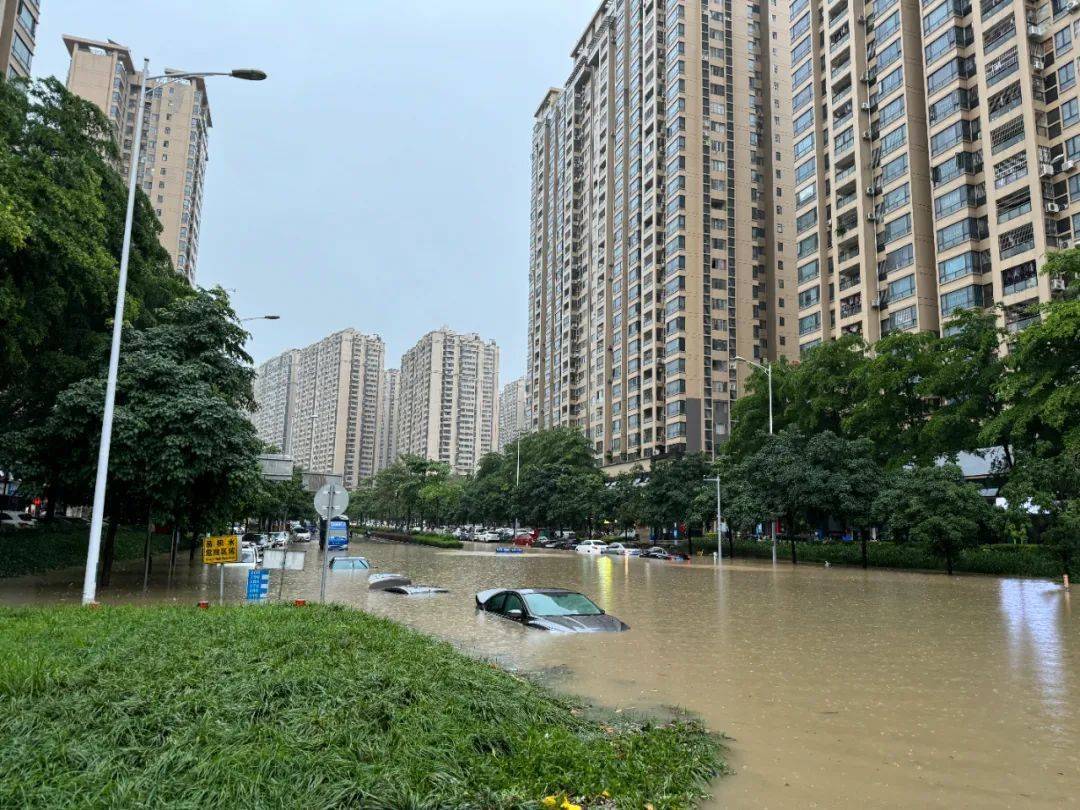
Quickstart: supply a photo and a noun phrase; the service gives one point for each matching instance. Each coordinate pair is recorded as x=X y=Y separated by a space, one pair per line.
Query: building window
x=964 y=298
x=21 y=51
x=26 y=17
x=902 y=288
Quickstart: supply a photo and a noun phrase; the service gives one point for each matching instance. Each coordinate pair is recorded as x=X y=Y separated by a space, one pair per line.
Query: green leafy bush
x=63 y=545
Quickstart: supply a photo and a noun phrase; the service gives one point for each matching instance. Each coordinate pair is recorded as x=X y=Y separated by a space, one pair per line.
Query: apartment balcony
x=852 y=305
x=849 y=277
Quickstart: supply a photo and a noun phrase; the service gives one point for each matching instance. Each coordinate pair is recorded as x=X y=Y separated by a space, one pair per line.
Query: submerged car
x=380 y=582
x=658 y=553
x=554 y=609
x=622 y=550
x=414 y=590
x=590 y=547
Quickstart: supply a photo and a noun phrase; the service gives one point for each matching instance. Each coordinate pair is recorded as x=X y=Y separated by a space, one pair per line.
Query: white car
x=489 y=537
x=590 y=547
x=622 y=550
x=301 y=535
x=279 y=539
x=17 y=520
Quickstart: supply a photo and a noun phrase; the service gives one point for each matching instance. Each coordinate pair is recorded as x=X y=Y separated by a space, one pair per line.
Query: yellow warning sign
x=223 y=548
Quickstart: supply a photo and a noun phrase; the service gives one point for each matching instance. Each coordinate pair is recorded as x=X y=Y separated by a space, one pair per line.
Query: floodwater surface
x=839 y=687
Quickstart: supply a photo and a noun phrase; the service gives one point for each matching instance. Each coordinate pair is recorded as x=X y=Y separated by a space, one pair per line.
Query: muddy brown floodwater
x=839 y=687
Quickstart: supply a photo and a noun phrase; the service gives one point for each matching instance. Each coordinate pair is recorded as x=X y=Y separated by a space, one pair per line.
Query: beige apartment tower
x=512 y=412
x=389 y=400
x=935 y=159
x=662 y=224
x=18 y=36
x=323 y=400
x=176 y=120
x=276 y=384
x=448 y=409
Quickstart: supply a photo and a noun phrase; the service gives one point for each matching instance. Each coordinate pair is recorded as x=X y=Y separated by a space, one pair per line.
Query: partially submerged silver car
x=554 y=609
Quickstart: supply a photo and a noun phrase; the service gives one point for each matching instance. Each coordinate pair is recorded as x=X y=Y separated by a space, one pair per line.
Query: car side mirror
x=514 y=614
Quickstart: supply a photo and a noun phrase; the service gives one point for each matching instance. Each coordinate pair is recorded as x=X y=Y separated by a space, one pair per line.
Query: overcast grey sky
x=380 y=178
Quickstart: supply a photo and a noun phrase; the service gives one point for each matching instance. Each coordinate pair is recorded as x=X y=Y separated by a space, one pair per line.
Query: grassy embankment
x=304 y=707
x=418 y=538
x=62 y=545
x=1000 y=560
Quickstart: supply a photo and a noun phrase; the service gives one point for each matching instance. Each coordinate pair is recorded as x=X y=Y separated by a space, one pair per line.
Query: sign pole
x=221 y=583
x=326 y=546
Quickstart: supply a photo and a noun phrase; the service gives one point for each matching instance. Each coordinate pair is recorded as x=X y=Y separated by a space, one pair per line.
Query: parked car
x=622 y=550
x=11 y=519
x=301 y=534
x=554 y=609
x=524 y=540
x=658 y=553
x=590 y=547
x=279 y=539
x=488 y=537
x=564 y=545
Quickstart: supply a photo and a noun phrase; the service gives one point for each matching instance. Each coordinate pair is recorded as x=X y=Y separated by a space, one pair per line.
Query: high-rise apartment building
x=18 y=33
x=512 y=412
x=324 y=399
x=662 y=224
x=935 y=149
x=176 y=120
x=448 y=399
x=387 y=451
x=276 y=384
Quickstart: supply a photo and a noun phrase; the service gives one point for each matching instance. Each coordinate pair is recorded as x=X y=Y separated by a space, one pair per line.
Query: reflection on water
x=841 y=688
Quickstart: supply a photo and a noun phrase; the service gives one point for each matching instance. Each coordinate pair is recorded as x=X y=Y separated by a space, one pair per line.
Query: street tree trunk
x=731 y=544
x=948 y=559
x=794 y=556
x=689 y=538
x=865 y=554
x=109 y=549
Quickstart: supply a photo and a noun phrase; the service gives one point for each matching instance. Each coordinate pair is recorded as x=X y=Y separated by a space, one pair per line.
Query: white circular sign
x=331 y=500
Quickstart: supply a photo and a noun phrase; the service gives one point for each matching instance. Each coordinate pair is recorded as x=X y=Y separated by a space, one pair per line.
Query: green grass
x=419 y=538
x=276 y=706
x=48 y=547
x=1001 y=560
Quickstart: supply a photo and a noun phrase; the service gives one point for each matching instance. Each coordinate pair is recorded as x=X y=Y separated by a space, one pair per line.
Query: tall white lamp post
x=93 y=552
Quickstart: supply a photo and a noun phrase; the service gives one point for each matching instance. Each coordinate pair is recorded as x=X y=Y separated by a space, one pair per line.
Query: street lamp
x=719 y=533
x=261 y=318
x=97 y=518
x=767 y=368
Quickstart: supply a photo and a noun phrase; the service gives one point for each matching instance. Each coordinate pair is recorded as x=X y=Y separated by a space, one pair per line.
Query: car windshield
x=560 y=604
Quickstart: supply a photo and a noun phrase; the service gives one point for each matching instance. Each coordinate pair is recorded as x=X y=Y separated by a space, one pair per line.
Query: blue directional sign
x=258 y=584
x=337 y=535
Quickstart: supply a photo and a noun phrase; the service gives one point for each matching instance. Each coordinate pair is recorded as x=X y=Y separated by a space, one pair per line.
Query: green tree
x=672 y=493
x=933 y=506
x=61 y=226
x=182 y=441
x=889 y=408
x=962 y=383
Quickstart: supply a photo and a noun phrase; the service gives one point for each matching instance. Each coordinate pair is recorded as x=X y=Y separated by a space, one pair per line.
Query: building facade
x=276 y=383
x=935 y=152
x=324 y=399
x=18 y=36
x=512 y=412
x=387 y=452
x=176 y=120
x=448 y=408
x=662 y=224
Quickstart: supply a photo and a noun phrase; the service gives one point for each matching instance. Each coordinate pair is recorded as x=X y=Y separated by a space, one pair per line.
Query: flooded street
x=840 y=688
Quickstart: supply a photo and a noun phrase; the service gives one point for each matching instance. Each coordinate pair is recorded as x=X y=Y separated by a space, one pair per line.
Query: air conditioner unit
x=868 y=77
x=862 y=19
x=1067 y=165
x=1057 y=284
x=1052 y=208
x=871 y=217
x=868 y=134
x=866 y=106
x=1073 y=5
x=871 y=191
x=1046 y=170
x=1037 y=62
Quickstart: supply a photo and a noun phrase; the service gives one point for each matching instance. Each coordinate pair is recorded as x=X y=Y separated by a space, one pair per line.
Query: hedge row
x=63 y=545
x=419 y=538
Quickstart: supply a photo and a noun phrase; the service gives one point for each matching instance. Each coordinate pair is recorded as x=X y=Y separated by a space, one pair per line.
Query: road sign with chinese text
x=223 y=548
x=258 y=584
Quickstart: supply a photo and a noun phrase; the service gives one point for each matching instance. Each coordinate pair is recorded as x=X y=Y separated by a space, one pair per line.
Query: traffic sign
x=258 y=584
x=218 y=549
x=331 y=500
